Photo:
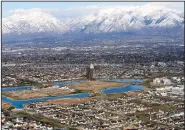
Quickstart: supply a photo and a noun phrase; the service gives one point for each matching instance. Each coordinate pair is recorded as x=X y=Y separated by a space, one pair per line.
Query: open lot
x=95 y=85
x=5 y=105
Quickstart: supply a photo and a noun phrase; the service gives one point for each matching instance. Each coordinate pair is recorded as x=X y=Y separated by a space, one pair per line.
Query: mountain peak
x=33 y=22
x=121 y=19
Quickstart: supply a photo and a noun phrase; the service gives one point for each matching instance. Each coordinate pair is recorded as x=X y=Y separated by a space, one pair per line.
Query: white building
x=170 y=90
x=156 y=81
x=177 y=79
x=177 y=90
x=91 y=66
x=162 y=81
x=166 y=81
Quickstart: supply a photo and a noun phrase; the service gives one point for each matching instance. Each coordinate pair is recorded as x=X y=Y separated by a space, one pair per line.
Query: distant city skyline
x=72 y=9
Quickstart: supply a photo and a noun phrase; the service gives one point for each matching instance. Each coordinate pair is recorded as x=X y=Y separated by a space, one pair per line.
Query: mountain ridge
x=140 y=19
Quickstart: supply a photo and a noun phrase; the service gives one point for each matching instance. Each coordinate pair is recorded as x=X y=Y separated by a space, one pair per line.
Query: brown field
x=5 y=105
x=68 y=101
x=29 y=94
x=95 y=85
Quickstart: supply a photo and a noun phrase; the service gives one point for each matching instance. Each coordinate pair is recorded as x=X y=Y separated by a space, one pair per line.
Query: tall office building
x=90 y=71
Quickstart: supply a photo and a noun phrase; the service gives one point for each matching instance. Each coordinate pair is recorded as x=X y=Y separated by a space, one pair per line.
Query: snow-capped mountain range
x=34 y=22
x=115 y=19
x=128 y=19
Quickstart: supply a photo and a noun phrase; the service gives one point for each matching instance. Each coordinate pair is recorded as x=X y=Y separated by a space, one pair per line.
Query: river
x=20 y=103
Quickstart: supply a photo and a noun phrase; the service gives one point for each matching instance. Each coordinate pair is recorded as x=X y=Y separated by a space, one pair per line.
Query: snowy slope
x=114 y=19
x=34 y=22
x=118 y=19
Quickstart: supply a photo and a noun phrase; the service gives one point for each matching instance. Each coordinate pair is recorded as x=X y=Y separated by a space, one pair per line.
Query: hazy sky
x=72 y=9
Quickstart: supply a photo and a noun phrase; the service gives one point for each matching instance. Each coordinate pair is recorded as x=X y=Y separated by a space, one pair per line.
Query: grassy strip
x=112 y=96
x=39 y=119
x=11 y=108
x=147 y=83
x=7 y=106
x=165 y=108
x=26 y=82
x=80 y=91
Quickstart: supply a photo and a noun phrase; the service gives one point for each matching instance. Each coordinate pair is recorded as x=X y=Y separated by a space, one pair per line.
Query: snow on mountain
x=110 y=19
x=127 y=19
x=32 y=22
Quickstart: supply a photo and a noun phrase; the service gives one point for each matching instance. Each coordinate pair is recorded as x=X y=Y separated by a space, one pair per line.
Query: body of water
x=16 y=88
x=20 y=103
x=123 y=89
x=63 y=83
x=125 y=80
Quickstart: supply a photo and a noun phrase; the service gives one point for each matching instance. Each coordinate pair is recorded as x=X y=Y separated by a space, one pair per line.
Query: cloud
x=172 y=5
x=26 y=11
x=63 y=12
x=84 y=10
x=80 y=10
